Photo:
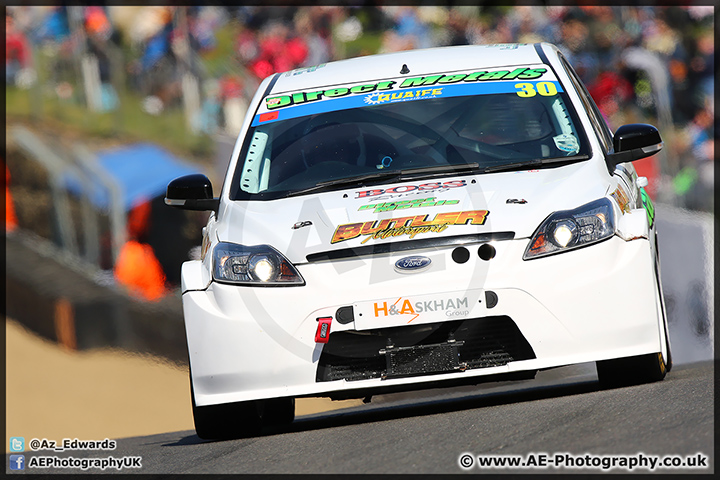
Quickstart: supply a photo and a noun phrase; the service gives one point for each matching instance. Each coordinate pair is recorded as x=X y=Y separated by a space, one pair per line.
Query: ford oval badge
x=413 y=264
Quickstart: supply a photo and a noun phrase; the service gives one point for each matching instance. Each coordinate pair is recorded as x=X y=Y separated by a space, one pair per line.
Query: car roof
x=419 y=62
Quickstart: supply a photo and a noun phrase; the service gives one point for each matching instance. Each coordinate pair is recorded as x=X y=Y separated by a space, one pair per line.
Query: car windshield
x=366 y=144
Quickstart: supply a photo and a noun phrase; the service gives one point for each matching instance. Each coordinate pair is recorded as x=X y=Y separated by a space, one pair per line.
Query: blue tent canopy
x=142 y=171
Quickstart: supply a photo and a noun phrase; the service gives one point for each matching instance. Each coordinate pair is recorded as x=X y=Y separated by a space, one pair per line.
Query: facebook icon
x=17 y=462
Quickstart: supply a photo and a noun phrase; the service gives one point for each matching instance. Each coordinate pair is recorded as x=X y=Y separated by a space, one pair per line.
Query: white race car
x=419 y=219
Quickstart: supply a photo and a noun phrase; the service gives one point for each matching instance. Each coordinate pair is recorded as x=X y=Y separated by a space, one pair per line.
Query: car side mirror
x=191 y=192
x=633 y=142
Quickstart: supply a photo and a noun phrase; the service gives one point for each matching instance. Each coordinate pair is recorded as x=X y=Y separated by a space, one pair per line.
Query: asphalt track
x=560 y=411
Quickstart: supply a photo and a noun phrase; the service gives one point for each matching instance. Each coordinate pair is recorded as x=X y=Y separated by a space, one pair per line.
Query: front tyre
x=620 y=372
x=227 y=420
x=279 y=411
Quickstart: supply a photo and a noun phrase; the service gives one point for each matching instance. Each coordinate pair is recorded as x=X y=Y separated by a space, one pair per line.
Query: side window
x=598 y=123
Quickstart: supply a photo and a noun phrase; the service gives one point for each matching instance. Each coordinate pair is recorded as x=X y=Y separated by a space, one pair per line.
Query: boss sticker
x=404 y=189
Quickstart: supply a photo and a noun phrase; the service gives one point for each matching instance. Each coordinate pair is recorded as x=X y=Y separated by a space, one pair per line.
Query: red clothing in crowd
x=16 y=48
x=10 y=218
x=137 y=267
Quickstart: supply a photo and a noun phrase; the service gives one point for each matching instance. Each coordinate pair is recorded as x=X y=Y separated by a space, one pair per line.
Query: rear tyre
x=621 y=372
x=279 y=411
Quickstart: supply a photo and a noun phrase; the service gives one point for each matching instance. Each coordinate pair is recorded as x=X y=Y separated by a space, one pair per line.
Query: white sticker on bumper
x=418 y=309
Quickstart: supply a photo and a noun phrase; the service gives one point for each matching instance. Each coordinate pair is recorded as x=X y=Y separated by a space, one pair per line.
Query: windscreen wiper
x=386 y=175
x=532 y=163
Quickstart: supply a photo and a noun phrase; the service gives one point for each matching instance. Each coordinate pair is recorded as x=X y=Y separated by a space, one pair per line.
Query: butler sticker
x=410 y=225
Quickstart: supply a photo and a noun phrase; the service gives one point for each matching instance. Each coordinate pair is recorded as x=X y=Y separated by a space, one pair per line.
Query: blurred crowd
x=640 y=63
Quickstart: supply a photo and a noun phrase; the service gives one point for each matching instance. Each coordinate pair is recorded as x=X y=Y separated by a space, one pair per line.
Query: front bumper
x=590 y=304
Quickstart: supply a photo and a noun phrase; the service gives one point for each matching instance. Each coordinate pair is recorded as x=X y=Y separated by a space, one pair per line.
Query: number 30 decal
x=546 y=89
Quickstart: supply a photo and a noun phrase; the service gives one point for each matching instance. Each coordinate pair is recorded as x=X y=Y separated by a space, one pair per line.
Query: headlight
x=569 y=229
x=260 y=265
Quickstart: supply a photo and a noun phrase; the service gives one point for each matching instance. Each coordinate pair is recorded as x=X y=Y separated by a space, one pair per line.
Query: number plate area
x=421 y=359
x=419 y=309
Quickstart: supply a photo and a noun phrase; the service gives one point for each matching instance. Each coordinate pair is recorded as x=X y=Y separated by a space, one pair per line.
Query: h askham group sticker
x=451 y=307
x=416 y=309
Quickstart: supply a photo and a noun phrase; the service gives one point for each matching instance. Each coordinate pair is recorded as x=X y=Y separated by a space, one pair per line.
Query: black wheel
x=227 y=420
x=620 y=372
x=279 y=411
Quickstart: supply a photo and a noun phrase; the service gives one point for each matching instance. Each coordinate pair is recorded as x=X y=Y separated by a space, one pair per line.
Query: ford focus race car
x=419 y=219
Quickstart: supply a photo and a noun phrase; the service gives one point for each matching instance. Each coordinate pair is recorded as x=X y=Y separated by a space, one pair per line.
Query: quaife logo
x=375 y=98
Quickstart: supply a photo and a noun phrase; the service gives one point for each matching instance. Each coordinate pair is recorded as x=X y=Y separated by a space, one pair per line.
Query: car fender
x=633 y=224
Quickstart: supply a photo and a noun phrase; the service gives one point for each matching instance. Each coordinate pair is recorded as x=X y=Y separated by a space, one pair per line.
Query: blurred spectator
x=234 y=105
x=17 y=53
x=53 y=26
x=280 y=50
x=314 y=28
x=10 y=218
x=611 y=91
x=204 y=22
x=137 y=267
x=97 y=23
x=164 y=44
x=99 y=32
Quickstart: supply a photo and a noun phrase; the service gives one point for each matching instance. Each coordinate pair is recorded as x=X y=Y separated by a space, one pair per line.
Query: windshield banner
x=524 y=81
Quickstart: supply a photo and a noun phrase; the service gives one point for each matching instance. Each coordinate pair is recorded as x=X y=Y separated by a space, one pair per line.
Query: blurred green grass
x=129 y=123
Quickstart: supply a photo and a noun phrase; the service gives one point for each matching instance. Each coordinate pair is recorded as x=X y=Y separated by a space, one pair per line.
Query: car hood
x=504 y=202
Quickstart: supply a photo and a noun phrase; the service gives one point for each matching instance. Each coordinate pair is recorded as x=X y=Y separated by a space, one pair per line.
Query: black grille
x=478 y=343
